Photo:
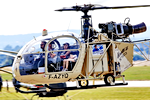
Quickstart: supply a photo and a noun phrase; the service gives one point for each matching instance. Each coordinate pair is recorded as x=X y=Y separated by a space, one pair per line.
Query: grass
x=137 y=73
x=6 y=76
x=110 y=93
x=103 y=93
x=12 y=95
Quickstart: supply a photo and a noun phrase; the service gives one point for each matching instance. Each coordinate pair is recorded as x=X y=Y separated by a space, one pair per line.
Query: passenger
x=52 y=55
x=72 y=58
x=65 y=54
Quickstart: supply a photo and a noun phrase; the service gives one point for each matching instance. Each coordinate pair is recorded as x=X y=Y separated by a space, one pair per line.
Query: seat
x=54 y=67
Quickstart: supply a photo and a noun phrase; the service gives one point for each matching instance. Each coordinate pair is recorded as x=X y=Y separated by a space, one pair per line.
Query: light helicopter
x=95 y=55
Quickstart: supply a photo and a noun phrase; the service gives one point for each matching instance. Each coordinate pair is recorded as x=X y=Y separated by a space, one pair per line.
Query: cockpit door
x=63 y=54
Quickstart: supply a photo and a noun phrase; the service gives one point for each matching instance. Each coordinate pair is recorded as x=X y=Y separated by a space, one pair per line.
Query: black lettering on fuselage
x=49 y=76
x=58 y=76
x=66 y=75
x=122 y=53
x=62 y=75
x=55 y=76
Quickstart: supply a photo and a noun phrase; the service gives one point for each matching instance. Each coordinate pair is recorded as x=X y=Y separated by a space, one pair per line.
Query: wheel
x=83 y=83
x=109 y=79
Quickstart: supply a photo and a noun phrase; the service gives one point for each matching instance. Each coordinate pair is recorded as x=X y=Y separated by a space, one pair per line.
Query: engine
x=117 y=31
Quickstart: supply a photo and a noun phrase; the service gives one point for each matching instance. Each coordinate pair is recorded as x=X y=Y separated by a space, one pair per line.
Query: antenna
x=69 y=24
x=34 y=38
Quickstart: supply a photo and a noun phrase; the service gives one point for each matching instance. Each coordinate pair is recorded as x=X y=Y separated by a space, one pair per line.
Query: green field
x=103 y=93
x=137 y=73
x=6 y=76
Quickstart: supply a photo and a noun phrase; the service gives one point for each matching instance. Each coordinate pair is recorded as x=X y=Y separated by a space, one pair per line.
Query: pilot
x=40 y=61
x=43 y=43
x=42 y=55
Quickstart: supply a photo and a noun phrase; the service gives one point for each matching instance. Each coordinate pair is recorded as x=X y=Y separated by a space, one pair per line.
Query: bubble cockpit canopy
x=47 y=54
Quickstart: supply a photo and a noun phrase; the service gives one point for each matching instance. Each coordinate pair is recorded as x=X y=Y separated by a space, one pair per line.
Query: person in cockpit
x=65 y=54
x=42 y=55
x=43 y=43
x=52 y=56
x=72 y=58
x=40 y=61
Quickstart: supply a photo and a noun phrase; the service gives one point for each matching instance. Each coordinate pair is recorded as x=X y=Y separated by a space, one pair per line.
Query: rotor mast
x=86 y=18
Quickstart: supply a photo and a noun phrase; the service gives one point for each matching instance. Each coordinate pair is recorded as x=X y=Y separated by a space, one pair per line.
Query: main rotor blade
x=120 y=7
x=9 y=51
x=80 y=8
x=71 y=9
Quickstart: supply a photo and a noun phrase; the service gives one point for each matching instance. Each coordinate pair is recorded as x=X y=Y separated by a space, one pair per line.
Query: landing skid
x=72 y=88
x=55 y=94
x=89 y=86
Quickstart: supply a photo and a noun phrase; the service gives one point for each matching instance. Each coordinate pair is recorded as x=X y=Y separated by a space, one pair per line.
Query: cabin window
x=62 y=54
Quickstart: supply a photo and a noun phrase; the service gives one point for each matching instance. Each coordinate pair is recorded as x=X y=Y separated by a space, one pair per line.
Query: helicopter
x=64 y=56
